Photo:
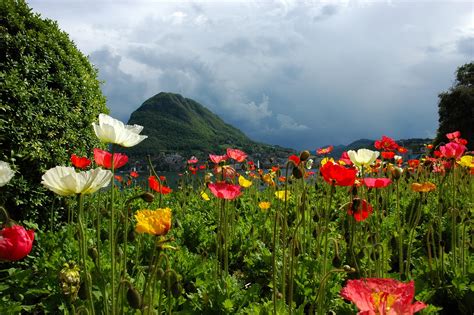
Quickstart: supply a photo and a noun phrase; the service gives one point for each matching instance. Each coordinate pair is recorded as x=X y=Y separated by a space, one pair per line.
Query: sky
x=300 y=74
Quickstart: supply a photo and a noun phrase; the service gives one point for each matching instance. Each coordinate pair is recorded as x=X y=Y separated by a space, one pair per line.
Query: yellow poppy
x=281 y=194
x=244 y=182
x=264 y=205
x=325 y=160
x=467 y=161
x=154 y=222
x=205 y=196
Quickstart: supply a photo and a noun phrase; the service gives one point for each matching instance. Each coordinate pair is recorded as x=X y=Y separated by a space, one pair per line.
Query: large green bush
x=49 y=95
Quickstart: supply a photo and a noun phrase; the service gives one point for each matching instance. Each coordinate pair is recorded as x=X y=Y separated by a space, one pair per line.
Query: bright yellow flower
x=244 y=182
x=154 y=222
x=423 y=187
x=268 y=179
x=205 y=196
x=325 y=160
x=467 y=161
x=281 y=194
x=264 y=205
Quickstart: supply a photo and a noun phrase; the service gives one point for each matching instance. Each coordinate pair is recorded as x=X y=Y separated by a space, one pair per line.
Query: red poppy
x=345 y=159
x=282 y=179
x=414 y=163
x=382 y=296
x=162 y=178
x=193 y=170
x=386 y=144
x=437 y=153
x=236 y=154
x=377 y=182
x=251 y=165
x=402 y=150
x=134 y=174
x=388 y=155
x=338 y=175
x=118 y=178
x=104 y=159
x=80 y=162
x=216 y=159
x=275 y=169
x=452 y=150
x=202 y=167
x=359 y=209
x=224 y=190
x=295 y=159
x=326 y=150
x=429 y=146
x=155 y=185
x=193 y=160
x=15 y=242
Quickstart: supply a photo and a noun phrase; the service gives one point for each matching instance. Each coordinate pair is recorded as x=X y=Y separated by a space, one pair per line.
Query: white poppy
x=65 y=181
x=111 y=130
x=363 y=157
x=6 y=173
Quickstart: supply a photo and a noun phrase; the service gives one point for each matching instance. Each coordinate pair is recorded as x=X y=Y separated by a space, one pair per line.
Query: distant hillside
x=175 y=124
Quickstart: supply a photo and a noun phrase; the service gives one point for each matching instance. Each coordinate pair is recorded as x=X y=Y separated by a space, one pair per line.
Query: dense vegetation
x=49 y=95
x=456 y=106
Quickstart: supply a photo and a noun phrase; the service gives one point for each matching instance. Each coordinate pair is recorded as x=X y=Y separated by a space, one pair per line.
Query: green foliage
x=456 y=107
x=49 y=95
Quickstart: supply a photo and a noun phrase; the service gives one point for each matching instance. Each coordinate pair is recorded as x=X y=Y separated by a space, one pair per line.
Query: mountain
x=175 y=124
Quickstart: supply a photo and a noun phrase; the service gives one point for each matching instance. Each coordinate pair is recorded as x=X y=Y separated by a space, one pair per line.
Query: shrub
x=49 y=95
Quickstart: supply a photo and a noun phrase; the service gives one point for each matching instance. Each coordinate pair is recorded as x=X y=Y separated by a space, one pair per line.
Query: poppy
x=377 y=182
x=387 y=155
x=156 y=186
x=202 y=167
x=423 y=187
x=15 y=242
x=80 y=162
x=345 y=159
x=236 y=154
x=363 y=157
x=264 y=205
x=414 y=163
x=118 y=178
x=338 y=175
x=193 y=170
x=216 y=159
x=359 y=209
x=205 y=196
x=386 y=144
x=382 y=296
x=193 y=160
x=326 y=150
x=244 y=182
x=282 y=194
x=104 y=159
x=111 y=130
x=6 y=173
x=224 y=190
x=325 y=160
x=453 y=135
x=452 y=150
x=429 y=146
x=402 y=150
x=134 y=174
x=466 y=161
x=154 y=222
x=65 y=181
x=295 y=159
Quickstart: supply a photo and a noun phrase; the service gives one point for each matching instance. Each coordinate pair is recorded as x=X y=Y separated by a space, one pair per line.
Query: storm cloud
x=301 y=74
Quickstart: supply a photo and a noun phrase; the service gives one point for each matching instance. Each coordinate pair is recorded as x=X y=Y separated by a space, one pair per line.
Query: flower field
x=372 y=232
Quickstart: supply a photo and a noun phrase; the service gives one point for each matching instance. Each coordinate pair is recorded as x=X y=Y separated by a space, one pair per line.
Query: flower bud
x=148 y=197
x=93 y=253
x=304 y=155
x=297 y=173
x=134 y=297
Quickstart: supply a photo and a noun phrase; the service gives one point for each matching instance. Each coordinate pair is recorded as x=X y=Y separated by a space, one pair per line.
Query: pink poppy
x=377 y=182
x=216 y=159
x=224 y=190
x=382 y=296
x=104 y=159
x=452 y=150
x=236 y=154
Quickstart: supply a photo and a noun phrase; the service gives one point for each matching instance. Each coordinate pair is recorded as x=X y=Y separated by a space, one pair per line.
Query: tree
x=49 y=96
x=456 y=107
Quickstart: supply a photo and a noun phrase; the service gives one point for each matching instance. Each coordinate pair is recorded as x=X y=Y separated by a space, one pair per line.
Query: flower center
x=383 y=301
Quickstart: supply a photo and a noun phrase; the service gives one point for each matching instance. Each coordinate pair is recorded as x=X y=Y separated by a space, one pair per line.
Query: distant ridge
x=175 y=124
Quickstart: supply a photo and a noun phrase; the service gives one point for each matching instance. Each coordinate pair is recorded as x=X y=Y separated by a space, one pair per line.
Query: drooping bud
x=93 y=253
x=70 y=280
x=134 y=297
x=297 y=173
x=147 y=197
x=304 y=155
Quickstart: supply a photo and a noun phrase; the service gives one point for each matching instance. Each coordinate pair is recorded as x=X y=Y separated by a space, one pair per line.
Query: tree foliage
x=49 y=95
x=456 y=107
